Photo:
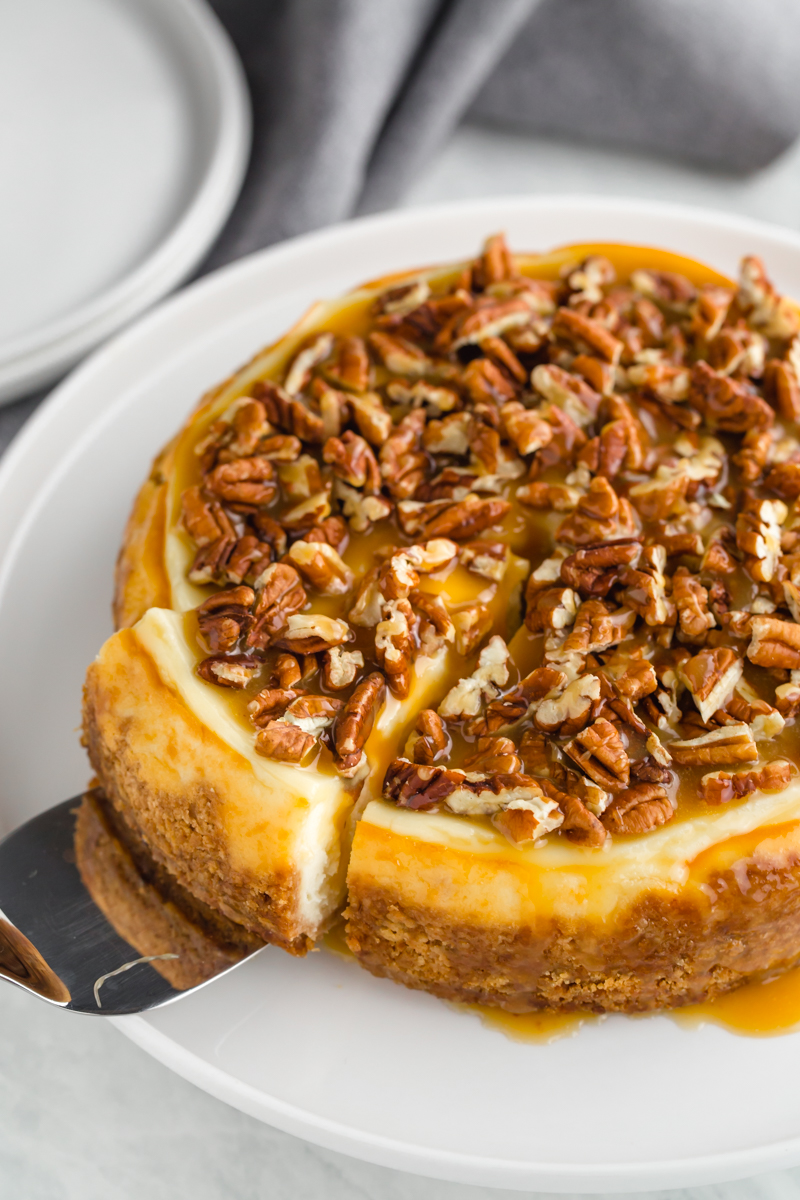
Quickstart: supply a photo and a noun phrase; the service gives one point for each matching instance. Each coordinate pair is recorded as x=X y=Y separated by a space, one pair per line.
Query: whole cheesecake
x=470 y=608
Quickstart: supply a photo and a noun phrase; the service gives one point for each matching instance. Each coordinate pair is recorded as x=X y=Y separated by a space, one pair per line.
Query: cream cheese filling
x=308 y=807
x=570 y=881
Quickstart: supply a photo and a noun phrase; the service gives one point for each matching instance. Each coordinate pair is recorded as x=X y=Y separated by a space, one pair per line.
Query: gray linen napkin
x=352 y=97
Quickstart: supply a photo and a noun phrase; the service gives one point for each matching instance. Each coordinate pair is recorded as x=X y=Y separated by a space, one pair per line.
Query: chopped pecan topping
x=488 y=559
x=638 y=809
x=307 y=513
x=351 y=368
x=721 y=786
x=289 y=413
x=553 y=497
x=587 y=335
x=490 y=675
x=670 y=547
x=774 y=315
x=353 y=461
x=461 y=520
x=600 y=515
x=787 y=697
x=580 y=824
x=725 y=403
x=600 y=752
x=569 y=393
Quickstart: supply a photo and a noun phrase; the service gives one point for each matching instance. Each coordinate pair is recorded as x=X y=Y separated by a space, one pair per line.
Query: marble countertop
x=84 y=1114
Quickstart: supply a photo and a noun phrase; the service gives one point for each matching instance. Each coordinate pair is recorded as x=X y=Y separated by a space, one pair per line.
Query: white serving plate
x=316 y=1046
x=124 y=135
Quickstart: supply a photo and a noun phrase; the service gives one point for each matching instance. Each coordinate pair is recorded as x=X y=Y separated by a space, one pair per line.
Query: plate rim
x=37 y=356
x=377 y=1148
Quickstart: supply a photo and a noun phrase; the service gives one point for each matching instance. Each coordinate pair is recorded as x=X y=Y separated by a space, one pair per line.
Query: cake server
x=55 y=941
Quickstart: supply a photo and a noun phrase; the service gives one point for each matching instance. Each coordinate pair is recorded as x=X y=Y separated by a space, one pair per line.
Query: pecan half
x=229 y=670
x=245 y=483
x=461 y=520
x=494 y=756
x=758 y=536
x=353 y=461
x=726 y=404
x=356 y=721
x=308 y=633
x=224 y=617
x=284 y=743
x=204 y=519
x=322 y=566
x=731 y=743
x=280 y=593
x=691 y=600
x=599 y=751
x=394 y=644
x=430 y=741
x=638 y=809
x=782 y=388
x=488 y=559
x=309 y=357
x=341 y=666
x=471 y=623
x=774 y=643
x=593 y=570
x=711 y=677
x=271 y=703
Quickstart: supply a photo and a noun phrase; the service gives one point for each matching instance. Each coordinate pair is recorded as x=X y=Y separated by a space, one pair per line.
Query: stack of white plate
x=124 y=136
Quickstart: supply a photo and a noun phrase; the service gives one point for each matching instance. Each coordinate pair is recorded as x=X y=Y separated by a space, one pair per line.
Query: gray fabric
x=714 y=80
x=353 y=97
x=338 y=83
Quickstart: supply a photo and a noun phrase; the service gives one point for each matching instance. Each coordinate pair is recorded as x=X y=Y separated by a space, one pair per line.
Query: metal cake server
x=55 y=941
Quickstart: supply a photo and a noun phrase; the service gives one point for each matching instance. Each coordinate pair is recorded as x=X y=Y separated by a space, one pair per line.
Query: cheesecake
x=470 y=609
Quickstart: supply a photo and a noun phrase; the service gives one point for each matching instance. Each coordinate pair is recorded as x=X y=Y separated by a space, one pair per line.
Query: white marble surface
x=84 y=1115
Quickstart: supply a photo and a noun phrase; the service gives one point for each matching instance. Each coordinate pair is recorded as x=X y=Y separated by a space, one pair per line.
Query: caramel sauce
x=764 y=1009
